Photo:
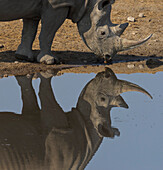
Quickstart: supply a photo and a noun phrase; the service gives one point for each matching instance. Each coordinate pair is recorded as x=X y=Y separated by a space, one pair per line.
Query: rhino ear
x=118 y=101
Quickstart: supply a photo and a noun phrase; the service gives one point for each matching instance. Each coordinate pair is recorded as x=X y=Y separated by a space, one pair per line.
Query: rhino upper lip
x=107 y=56
x=106 y=132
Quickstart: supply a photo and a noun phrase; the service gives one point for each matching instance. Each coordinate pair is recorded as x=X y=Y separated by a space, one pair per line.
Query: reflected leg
x=30 y=108
x=51 y=113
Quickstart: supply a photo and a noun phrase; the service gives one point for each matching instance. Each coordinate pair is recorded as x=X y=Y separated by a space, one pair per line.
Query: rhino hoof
x=47 y=59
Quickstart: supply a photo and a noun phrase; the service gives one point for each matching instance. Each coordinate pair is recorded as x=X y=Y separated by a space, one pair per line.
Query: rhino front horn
x=129 y=44
x=128 y=86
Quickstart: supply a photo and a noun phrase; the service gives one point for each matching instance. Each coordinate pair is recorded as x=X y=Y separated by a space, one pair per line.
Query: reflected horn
x=130 y=44
x=128 y=86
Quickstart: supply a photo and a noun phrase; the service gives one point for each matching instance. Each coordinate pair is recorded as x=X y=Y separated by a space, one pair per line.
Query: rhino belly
x=16 y=9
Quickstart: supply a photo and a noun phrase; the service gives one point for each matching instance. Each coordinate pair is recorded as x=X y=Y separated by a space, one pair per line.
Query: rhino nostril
x=107 y=57
x=103 y=33
x=102 y=99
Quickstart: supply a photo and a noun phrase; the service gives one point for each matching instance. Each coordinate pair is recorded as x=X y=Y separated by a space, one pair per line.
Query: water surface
x=140 y=144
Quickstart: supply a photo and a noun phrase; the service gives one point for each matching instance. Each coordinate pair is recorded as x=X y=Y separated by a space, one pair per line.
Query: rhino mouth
x=108 y=58
x=105 y=131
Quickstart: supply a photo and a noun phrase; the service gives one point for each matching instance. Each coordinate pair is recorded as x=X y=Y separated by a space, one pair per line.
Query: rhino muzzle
x=100 y=34
x=120 y=44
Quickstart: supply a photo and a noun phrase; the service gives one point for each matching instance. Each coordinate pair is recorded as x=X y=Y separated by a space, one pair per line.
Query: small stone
x=35 y=76
x=156 y=40
x=149 y=20
x=130 y=66
x=5 y=75
x=8 y=144
x=16 y=62
x=141 y=15
x=131 y=19
x=141 y=66
x=1 y=45
x=28 y=76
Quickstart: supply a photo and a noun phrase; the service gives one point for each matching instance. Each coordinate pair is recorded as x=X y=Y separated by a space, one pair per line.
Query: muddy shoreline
x=73 y=53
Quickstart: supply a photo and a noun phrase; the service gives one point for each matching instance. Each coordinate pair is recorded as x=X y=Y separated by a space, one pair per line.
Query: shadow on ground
x=81 y=58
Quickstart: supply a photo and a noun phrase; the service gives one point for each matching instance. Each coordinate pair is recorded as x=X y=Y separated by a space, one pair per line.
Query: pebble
x=5 y=75
x=35 y=76
x=141 y=15
x=130 y=65
x=1 y=45
x=16 y=62
x=141 y=66
x=8 y=144
x=156 y=40
x=28 y=76
x=131 y=19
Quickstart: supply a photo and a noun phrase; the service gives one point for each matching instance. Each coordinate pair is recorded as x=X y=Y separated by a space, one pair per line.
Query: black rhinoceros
x=92 y=18
x=48 y=138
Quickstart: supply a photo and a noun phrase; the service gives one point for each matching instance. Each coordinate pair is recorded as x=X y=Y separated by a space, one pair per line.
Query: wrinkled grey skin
x=91 y=16
x=49 y=138
x=100 y=34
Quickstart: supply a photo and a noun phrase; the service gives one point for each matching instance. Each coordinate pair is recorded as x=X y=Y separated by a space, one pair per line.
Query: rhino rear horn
x=119 y=29
x=118 y=101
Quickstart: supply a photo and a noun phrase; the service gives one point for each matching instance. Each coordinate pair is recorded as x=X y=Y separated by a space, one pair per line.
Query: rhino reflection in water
x=49 y=138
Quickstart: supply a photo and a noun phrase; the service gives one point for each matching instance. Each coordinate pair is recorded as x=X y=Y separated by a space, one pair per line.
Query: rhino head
x=100 y=34
x=100 y=95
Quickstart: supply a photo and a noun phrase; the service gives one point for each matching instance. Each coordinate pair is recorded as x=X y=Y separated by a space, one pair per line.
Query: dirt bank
x=72 y=52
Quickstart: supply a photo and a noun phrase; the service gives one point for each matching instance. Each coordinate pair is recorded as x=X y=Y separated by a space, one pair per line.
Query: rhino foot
x=26 y=55
x=47 y=59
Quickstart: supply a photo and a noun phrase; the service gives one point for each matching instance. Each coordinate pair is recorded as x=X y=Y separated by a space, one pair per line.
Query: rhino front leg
x=52 y=19
x=24 y=50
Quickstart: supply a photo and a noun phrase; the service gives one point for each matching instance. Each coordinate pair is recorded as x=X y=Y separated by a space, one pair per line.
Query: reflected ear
x=109 y=73
x=118 y=101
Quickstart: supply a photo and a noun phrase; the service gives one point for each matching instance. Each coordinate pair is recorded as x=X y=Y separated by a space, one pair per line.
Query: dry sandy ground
x=73 y=53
